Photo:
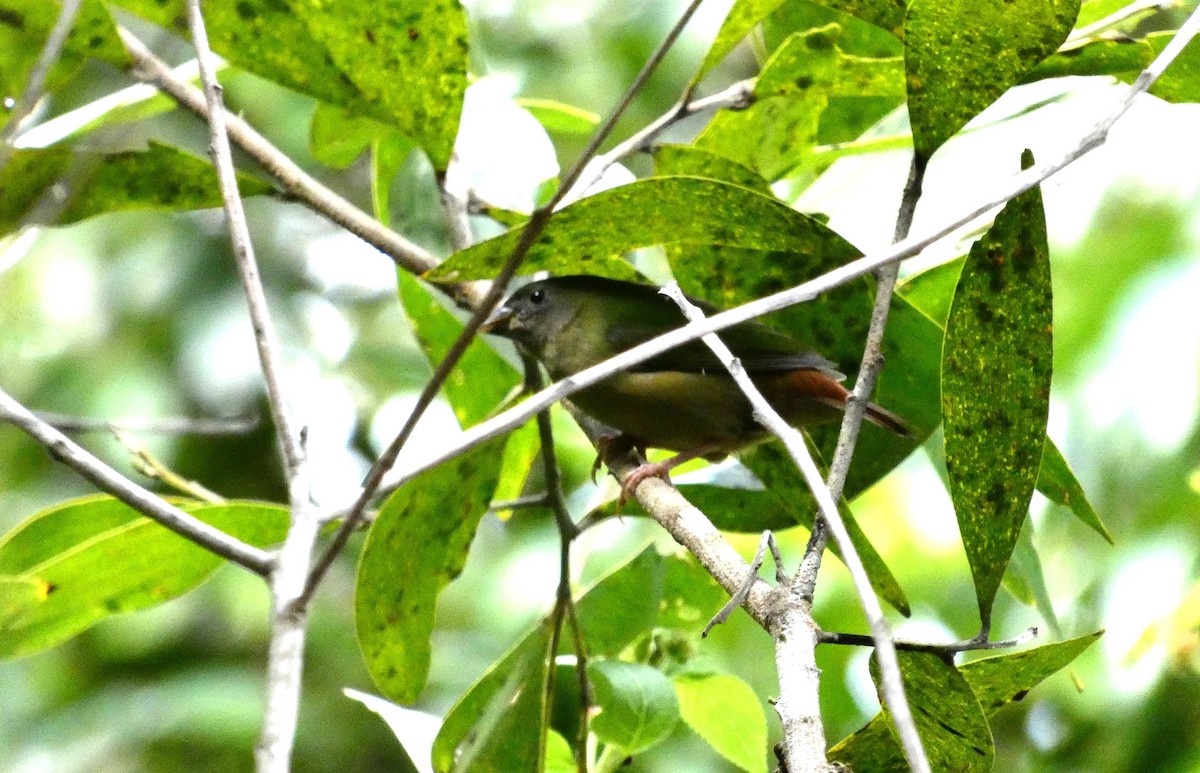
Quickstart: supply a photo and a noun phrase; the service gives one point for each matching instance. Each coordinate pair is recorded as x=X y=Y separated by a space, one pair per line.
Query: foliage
x=971 y=347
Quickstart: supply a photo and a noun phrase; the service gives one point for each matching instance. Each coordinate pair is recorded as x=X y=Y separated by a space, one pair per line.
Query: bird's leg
x=661 y=469
x=614 y=442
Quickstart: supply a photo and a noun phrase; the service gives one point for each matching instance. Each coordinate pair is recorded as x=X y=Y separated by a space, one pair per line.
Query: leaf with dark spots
x=684 y=211
x=962 y=55
x=948 y=716
x=996 y=368
x=1002 y=679
x=414 y=549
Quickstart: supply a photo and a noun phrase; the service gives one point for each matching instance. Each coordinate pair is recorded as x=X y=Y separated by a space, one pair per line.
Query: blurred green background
x=141 y=315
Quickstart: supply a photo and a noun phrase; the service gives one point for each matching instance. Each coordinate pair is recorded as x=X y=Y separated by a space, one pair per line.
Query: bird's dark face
x=532 y=315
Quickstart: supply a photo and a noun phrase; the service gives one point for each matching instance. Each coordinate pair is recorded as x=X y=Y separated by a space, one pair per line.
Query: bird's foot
x=642 y=472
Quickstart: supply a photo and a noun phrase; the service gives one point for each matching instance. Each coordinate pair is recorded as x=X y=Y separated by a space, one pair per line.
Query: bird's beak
x=498 y=322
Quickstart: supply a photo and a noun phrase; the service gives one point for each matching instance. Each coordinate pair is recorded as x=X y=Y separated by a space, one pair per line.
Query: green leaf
x=520 y=452
x=1058 y=483
x=623 y=604
x=725 y=712
x=407 y=59
x=94 y=557
x=748 y=511
x=498 y=726
x=995 y=682
x=388 y=155
x=931 y=292
x=660 y=210
x=685 y=160
x=558 y=116
x=807 y=74
x=962 y=54
x=638 y=707
x=160 y=178
x=690 y=596
x=26 y=24
x=996 y=368
x=789 y=97
x=744 y=16
x=402 y=62
x=416 y=546
x=1099 y=57
x=949 y=719
x=478 y=724
x=337 y=137
x=1000 y=680
x=481 y=379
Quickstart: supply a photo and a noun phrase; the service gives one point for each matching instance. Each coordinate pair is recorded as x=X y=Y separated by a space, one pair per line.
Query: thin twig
x=890 y=683
x=567 y=532
x=265 y=337
x=533 y=229
x=154 y=468
x=169 y=425
x=34 y=84
x=946 y=648
x=521 y=503
x=1013 y=186
x=152 y=506
x=739 y=598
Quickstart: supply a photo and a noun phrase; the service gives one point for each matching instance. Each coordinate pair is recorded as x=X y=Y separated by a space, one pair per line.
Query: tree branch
x=169 y=425
x=285 y=656
x=149 y=504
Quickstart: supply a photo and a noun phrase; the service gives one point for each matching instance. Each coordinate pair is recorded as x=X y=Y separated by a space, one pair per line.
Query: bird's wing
x=761 y=349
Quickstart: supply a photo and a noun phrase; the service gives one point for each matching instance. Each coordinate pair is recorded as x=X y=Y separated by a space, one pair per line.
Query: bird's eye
x=537 y=296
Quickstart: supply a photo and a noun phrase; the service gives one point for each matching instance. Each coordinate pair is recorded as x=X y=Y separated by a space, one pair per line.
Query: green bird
x=684 y=399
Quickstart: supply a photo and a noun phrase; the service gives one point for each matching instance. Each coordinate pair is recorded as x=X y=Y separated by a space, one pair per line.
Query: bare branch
x=285 y=654
x=169 y=425
x=145 y=502
x=978 y=643
x=890 y=683
x=265 y=336
x=735 y=97
x=32 y=94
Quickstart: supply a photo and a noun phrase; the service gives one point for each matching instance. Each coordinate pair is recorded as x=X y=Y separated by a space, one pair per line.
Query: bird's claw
x=641 y=473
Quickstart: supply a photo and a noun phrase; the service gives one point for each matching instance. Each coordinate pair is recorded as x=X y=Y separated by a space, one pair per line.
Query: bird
x=681 y=400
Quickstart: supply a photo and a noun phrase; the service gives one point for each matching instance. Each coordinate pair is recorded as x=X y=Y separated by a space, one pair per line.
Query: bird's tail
x=888 y=420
